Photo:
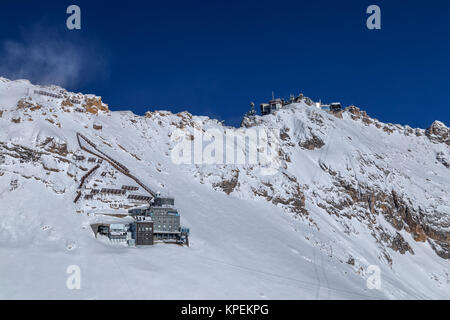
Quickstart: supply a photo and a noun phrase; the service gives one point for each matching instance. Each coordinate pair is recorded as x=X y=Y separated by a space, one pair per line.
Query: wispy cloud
x=46 y=58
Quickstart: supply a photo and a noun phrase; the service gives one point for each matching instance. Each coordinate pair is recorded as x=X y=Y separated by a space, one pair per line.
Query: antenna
x=273 y=95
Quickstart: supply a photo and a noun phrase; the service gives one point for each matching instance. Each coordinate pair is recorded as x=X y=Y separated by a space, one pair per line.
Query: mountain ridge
x=341 y=180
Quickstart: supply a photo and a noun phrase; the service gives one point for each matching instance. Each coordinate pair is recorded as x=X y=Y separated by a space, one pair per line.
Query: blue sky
x=214 y=57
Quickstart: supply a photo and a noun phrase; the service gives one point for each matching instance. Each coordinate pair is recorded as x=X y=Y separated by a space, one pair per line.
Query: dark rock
x=438 y=132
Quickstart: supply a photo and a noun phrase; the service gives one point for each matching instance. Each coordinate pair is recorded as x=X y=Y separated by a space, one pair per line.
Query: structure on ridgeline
x=276 y=104
x=159 y=222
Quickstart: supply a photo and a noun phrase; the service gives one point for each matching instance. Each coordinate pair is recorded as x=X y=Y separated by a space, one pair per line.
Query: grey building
x=116 y=232
x=271 y=107
x=138 y=211
x=165 y=219
x=163 y=202
x=333 y=107
x=142 y=231
x=119 y=232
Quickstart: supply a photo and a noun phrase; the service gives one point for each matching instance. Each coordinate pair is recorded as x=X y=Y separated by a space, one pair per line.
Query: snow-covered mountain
x=345 y=195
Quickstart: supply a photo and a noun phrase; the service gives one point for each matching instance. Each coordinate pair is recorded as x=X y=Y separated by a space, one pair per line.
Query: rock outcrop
x=438 y=132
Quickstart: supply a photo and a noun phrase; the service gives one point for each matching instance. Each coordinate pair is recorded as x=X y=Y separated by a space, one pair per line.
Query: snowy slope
x=348 y=192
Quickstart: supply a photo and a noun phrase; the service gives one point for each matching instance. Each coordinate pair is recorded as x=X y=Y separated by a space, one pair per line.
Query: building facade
x=165 y=218
x=142 y=231
x=120 y=232
x=271 y=107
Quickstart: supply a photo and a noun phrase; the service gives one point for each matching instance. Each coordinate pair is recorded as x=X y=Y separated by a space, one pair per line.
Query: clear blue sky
x=214 y=57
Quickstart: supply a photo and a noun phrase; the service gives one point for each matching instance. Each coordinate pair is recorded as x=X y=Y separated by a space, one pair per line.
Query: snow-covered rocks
x=439 y=132
x=49 y=163
x=343 y=194
x=15 y=117
x=95 y=105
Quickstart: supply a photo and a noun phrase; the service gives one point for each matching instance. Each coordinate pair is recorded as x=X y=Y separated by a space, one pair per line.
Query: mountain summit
x=340 y=198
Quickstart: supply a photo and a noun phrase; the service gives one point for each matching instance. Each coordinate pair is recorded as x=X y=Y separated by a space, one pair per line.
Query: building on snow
x=165 y=218
x=271 y=107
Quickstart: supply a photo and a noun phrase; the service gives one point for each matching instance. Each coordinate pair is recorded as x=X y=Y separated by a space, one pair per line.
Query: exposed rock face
x=293 y=200
x=25 y=105
x=399 y=244
x=438 y=132
x=399 y=212
x=313 y=143
x=358 y=114
x=365 y=202
x=15 y=119
x=228 y=185
x=355 y=188
x=250 y=121
x=354 y=111
x=350 y=198
x=51 y=145
x=97 y=126
x=66 y=103
x=22 y=153
x=94 y=105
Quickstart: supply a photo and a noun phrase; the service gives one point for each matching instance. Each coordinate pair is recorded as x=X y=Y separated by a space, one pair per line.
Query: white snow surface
x=242 y=246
